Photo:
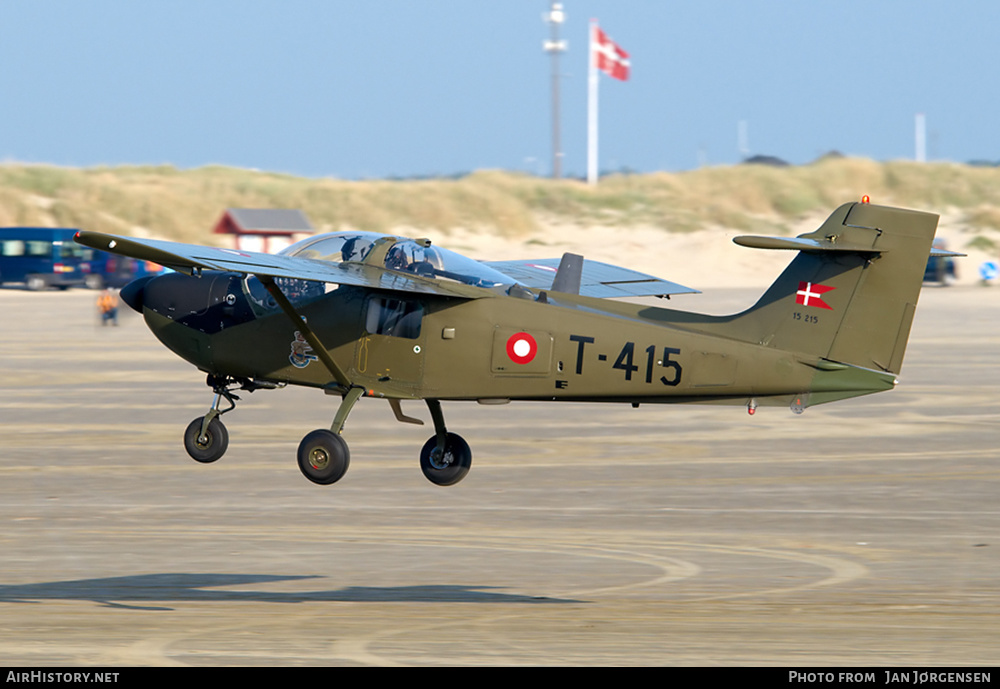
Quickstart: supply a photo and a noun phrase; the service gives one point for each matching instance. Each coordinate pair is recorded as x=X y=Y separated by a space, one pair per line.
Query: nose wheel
x=205 y=438
x=206 y=442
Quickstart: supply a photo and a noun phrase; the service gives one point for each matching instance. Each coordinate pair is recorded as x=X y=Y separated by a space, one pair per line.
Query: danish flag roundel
x=521 y=348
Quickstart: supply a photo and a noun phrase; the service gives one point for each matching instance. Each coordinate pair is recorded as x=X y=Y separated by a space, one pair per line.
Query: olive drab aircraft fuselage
x=359 y=314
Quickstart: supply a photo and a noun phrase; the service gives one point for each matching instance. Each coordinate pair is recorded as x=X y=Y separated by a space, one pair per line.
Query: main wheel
x=324 y=457
x=449 y=467
x=209 y=448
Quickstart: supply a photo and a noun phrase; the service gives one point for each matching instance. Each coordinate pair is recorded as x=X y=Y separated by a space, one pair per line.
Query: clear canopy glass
x=405 y=255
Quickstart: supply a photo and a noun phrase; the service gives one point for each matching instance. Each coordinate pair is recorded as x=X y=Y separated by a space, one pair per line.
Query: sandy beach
x=860 y=533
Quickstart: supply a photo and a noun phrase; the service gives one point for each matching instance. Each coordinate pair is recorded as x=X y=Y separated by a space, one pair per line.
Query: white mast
x=592 y=106
x=554 y=46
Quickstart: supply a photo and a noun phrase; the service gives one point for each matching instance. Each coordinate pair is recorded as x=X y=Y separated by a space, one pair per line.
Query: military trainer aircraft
x=360 y=314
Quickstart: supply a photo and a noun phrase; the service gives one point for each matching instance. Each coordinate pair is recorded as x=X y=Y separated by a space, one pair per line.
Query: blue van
x=42 y=257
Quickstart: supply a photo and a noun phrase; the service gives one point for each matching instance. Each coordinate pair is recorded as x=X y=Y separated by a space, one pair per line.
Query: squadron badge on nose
x=301 y=355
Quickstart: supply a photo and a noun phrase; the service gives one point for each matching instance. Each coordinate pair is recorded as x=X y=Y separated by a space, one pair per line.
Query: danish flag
x=608 y=56
x=810 y=294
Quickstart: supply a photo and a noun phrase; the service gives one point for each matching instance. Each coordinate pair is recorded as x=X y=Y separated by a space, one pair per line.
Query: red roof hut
x=263 y=229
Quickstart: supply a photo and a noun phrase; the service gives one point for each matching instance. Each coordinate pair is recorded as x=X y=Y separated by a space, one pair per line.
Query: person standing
x=107 y=304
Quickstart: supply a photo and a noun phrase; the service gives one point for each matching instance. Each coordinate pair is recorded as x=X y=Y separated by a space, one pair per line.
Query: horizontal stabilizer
x=802 y=244
x=944 y=253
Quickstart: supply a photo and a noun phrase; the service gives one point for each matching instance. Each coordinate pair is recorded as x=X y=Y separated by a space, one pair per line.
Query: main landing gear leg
x=323 y=454
x=445 y=458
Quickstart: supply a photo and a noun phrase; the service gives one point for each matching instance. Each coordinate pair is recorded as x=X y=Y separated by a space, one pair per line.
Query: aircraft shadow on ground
x=144 y=591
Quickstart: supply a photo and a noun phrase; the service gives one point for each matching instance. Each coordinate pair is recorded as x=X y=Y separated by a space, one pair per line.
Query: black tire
x=323 y=457
x=450 y=468
x=217 y=440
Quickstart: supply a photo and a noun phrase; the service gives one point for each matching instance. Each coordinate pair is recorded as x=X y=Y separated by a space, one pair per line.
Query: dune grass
x=166 y=202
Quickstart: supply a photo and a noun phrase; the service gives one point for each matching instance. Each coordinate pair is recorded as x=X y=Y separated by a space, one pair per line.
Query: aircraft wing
x=189 y=258
x=600 y=280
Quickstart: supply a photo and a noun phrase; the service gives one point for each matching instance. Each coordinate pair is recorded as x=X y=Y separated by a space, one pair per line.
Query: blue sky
x=355 y=89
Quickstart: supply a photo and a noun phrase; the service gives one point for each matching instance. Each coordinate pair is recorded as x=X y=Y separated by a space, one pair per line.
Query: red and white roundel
x=521 y=348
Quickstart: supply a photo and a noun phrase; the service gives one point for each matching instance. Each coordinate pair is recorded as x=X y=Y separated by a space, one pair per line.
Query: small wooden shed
x=263 y=229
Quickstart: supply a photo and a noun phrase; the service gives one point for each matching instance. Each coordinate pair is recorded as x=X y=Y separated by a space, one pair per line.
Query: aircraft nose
x=208 y=303
x=132 y=293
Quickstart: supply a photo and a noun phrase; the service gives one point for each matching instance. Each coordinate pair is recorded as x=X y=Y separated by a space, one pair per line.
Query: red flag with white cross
x=811 y=294
x=608 y=55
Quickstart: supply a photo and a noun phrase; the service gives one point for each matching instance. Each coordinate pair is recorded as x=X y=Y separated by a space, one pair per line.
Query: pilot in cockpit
x=427 y=264
x=414 y=258
x=397 y=259
x=355 y=249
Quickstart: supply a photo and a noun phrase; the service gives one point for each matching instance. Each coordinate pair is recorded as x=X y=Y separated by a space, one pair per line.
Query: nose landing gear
x=206 y=438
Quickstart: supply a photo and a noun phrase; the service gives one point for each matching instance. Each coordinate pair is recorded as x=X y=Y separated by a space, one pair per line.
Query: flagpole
x=592 y=107
x=555 y=46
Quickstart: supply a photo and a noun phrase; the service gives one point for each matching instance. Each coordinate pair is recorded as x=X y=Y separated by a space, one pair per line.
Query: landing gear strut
x=324 y=457
x=323 y=454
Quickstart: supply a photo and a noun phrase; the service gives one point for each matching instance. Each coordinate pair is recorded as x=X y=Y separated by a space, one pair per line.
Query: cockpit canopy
x=335 y=247
x=404 y=255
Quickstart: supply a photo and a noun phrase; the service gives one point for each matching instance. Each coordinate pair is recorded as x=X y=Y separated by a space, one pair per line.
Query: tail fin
x=849 y=295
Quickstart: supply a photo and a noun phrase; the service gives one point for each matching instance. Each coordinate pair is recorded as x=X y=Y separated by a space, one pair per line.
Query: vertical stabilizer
x=850 y=293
